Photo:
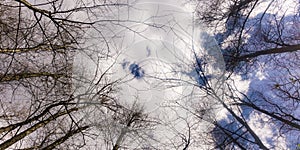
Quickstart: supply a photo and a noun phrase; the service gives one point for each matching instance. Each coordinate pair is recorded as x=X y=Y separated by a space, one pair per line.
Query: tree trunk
x=285 y=49
x=19 y=76
x=28 y=131
x=64 y=138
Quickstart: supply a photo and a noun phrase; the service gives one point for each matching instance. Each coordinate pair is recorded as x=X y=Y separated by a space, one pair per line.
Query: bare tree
x=39 y=103
x=248 y=40
x=49 y=99
x=47 y=102
x=245 y=34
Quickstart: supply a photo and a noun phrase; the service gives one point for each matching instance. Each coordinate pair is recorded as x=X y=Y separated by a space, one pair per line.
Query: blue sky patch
x=136 y=70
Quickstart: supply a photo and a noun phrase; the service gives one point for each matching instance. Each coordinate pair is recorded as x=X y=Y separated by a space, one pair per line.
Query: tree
x=49 y=100
x=253 y=34
x=252 y=28
x=39 y=102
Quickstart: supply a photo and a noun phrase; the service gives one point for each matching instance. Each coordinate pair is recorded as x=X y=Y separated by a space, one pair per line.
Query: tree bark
x=40 y=47
x=64 y=138
x=28 y=131
x=19 y=76
x=285 y=49
x=29 y=120
x=242 y=122
x=283 y=120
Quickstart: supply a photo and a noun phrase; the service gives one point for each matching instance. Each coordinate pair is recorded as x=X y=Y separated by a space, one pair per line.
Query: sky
x=156 y=45
x=159 y=48
x=159 y=51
